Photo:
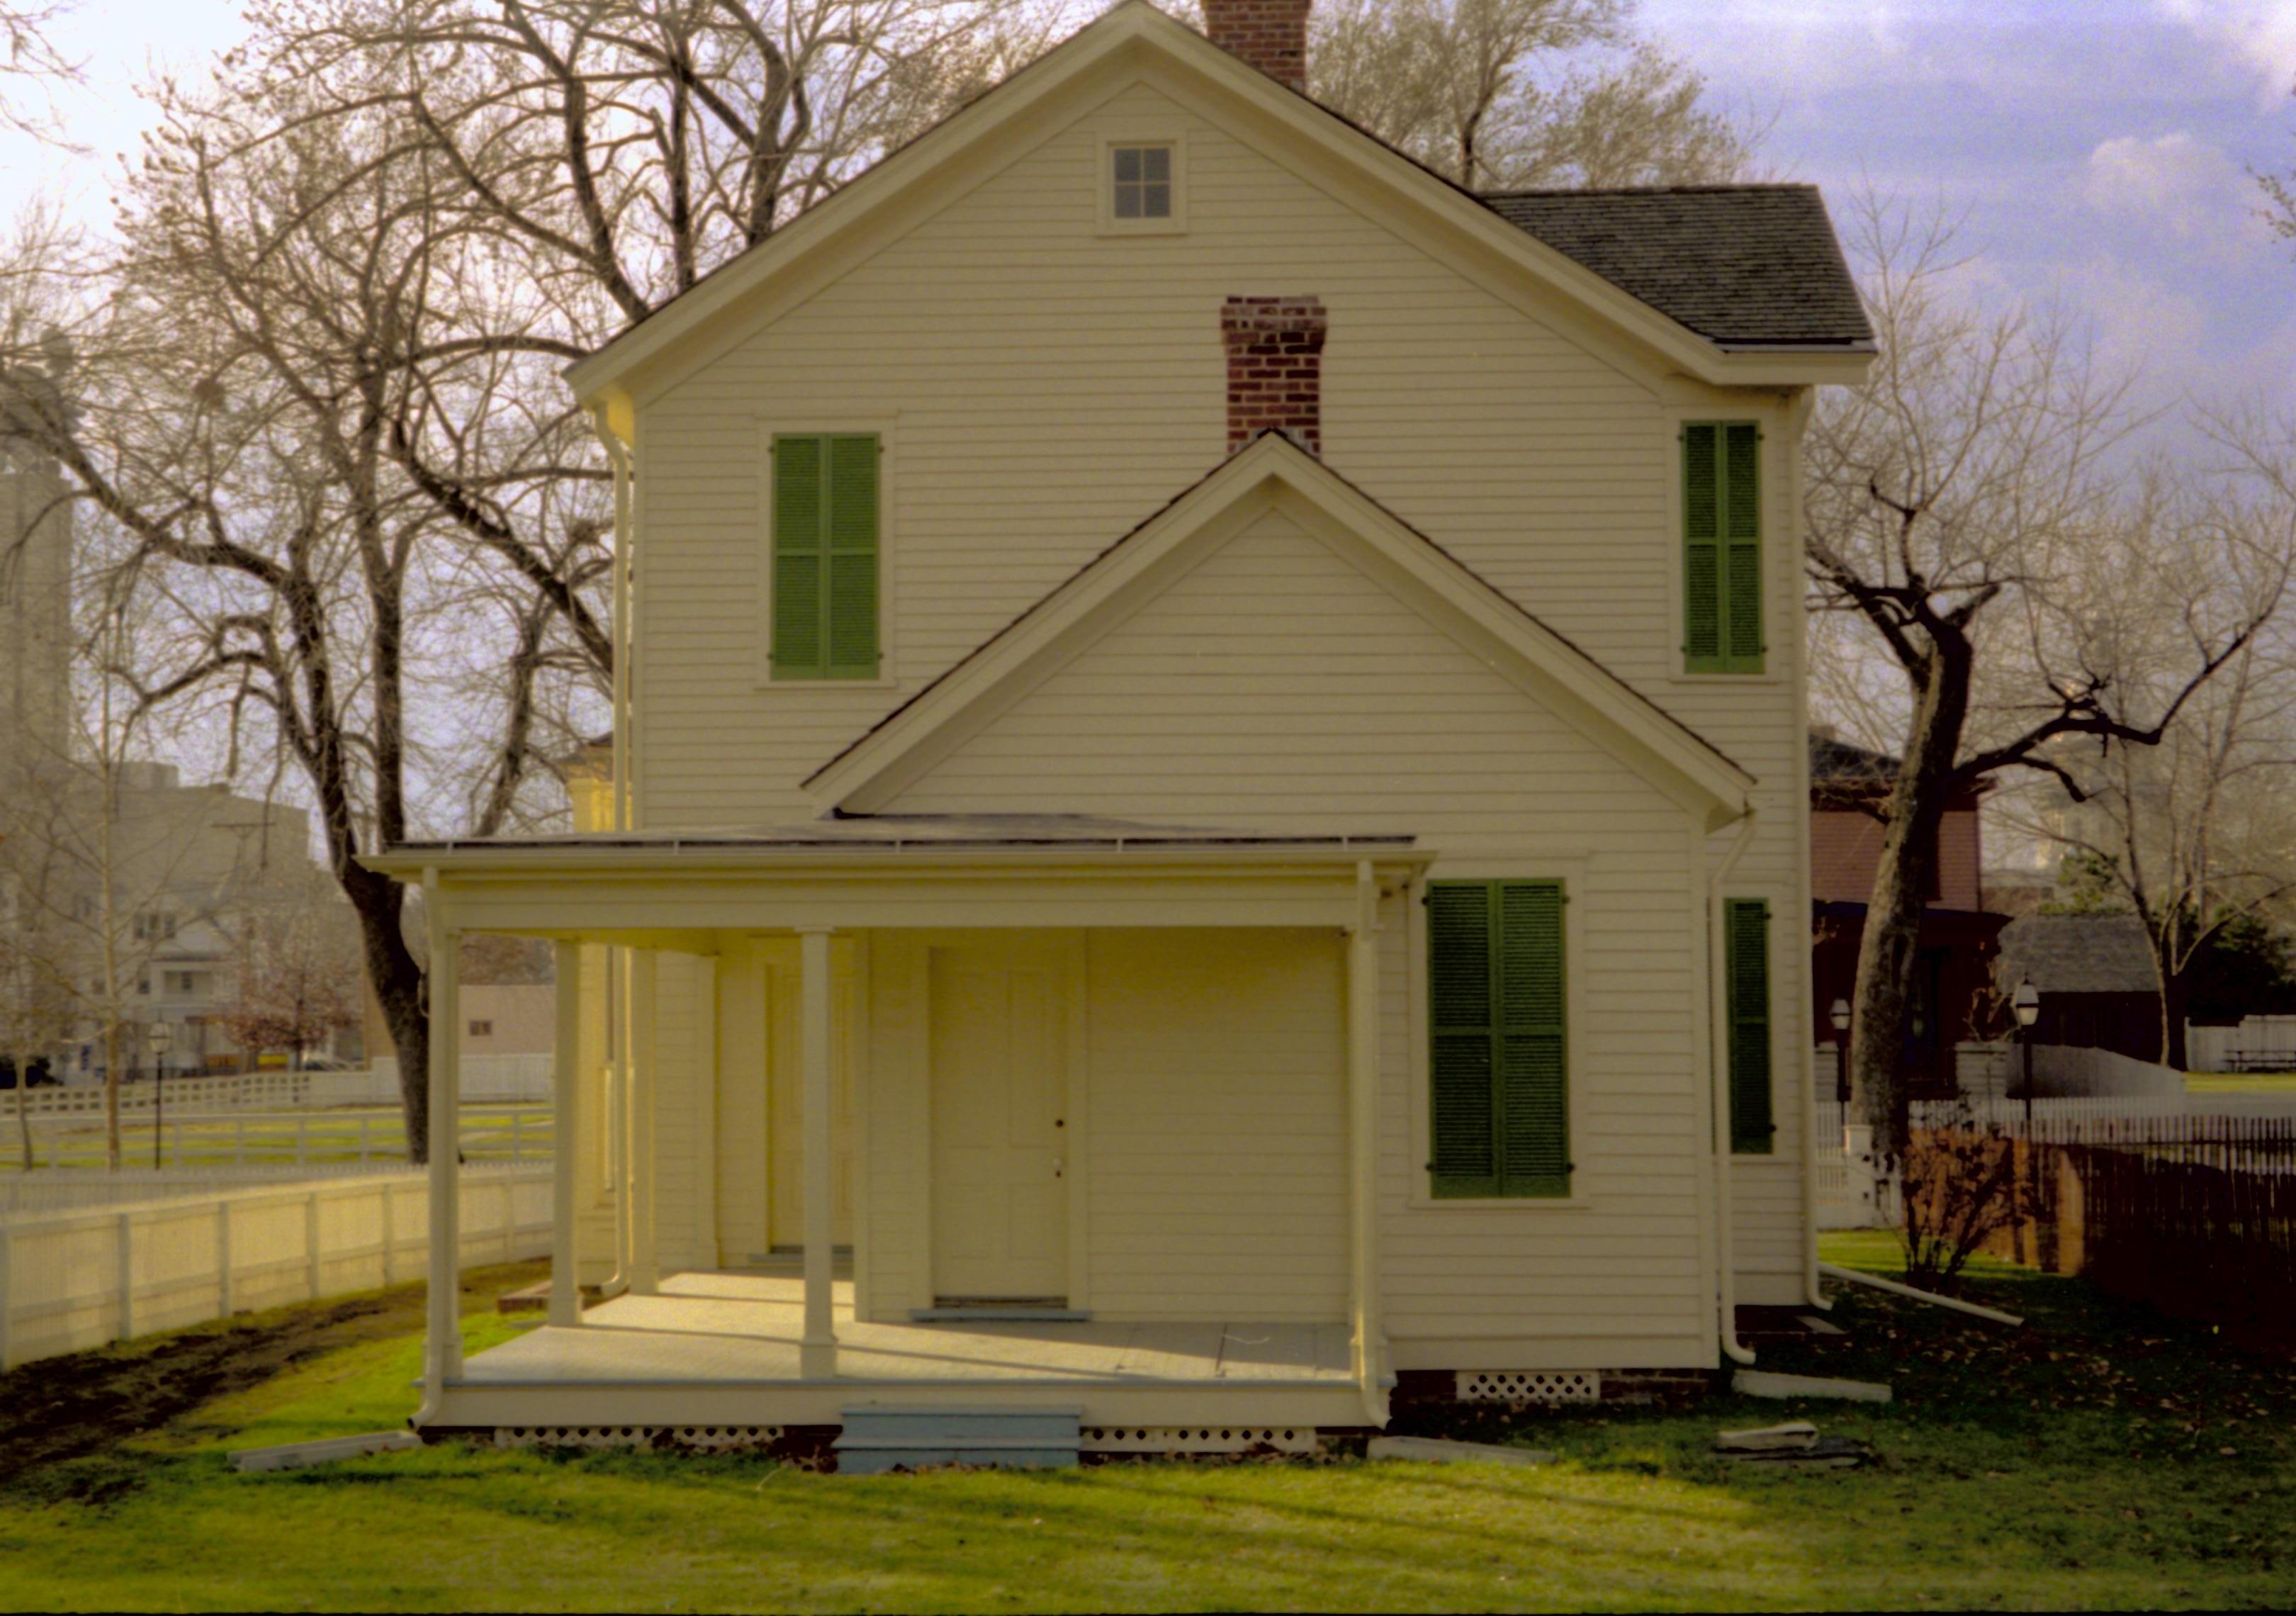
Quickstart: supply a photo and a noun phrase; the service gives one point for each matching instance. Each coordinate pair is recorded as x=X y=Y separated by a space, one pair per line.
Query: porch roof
x=1032 y=870
x=898 y=832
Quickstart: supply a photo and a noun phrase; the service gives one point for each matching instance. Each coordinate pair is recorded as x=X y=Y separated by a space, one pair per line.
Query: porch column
x=645 y=1256
x=1363 y=1126
x=566 y=1102
x=817 y=1354
x=442 y=1349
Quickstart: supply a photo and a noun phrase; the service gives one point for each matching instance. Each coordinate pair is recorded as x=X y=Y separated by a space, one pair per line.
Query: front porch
x=724 y=1350
x=1127 y=1073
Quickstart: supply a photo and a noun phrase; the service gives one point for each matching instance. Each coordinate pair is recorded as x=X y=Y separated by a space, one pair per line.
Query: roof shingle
x=1743 y=266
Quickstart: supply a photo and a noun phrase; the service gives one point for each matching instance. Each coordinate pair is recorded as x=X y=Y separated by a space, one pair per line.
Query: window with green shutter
x=1499 y=1082
x=826 y=556
x=1746 y=939
x=1722 y=547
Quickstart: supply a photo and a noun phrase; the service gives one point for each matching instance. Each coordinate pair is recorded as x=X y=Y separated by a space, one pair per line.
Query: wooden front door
x=999 y=1056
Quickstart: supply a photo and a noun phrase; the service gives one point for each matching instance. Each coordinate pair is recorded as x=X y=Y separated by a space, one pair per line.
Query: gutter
x=1718 y=1093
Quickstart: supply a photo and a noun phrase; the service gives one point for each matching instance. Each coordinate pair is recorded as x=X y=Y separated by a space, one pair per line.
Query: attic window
x=1143 y=181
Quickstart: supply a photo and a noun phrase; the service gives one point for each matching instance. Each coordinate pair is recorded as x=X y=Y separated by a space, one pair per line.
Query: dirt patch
x=81 y=1403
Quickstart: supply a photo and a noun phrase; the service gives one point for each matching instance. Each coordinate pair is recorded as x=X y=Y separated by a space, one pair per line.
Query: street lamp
x=161 y=1035
x=1839 y=1016
x=2027 y=1002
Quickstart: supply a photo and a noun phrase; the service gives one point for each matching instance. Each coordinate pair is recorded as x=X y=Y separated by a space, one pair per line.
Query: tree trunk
x=1901 y=884
x=2175 y=998
x=397 y=983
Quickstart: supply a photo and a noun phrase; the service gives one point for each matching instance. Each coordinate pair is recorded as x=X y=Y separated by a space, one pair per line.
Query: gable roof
x=1743 y=265
x=936 y=721
x=2078 y=954
x=1442 y=217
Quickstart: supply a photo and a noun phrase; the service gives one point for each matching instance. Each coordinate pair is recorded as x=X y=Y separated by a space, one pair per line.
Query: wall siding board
x=1274 y=688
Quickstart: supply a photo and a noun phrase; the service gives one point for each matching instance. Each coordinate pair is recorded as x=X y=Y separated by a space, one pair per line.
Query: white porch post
x=566 y=1099
x=443 y=1342
x=818 y=1353
x=645 y=1255
x=1363 y=1126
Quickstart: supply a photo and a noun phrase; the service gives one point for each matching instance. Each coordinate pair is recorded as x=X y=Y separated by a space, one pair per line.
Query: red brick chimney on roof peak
x=1270 y=35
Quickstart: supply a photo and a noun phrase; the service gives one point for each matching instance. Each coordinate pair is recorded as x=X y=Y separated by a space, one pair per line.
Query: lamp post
x=1839 y=1016
x=160 y=1036
x=2027 y=1001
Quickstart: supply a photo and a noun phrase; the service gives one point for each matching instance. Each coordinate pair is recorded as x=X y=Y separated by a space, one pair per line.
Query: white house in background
x=1210 y=790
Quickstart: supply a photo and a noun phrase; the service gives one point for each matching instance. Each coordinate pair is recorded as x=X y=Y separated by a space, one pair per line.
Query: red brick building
x=1953 y=995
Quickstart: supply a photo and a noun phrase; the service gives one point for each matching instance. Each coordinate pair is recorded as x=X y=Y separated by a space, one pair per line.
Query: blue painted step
x=878 y=1440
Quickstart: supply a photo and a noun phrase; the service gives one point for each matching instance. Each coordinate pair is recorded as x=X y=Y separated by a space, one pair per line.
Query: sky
x=2097 y=152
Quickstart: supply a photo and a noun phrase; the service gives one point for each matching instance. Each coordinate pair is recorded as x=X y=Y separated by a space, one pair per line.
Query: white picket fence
x=290 y=1138
x=486 y=1077
x=68 y=1189
x=2260 y=1043
x=73 y=1280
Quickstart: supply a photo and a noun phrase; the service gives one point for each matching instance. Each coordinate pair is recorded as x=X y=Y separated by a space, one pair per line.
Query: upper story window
x=825 y=579
x=1722 y=547
x=1143 y=181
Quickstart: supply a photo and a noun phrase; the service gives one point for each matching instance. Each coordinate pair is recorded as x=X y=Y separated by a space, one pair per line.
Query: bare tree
x=2197 y=834
x=30 y=59
x=1517 y=94
x=297 y=974
x=1966 y=515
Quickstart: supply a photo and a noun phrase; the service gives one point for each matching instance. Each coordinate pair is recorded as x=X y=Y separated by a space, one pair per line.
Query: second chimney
x=1275 y=369
x=1270 y=35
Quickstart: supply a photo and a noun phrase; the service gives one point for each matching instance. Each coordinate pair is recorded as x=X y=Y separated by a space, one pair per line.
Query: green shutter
x=1501 y=1124
x=1460 y=1013
x=1746 y=938
x=826 y=557
x=1722 y=547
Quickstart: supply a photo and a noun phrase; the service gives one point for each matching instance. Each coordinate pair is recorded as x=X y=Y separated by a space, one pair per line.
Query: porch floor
x=736 y=1328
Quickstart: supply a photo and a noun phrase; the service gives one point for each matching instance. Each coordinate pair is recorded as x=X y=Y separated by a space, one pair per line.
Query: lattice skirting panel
x=1530 y=1386
x=702 y=1438
x=1198 y=1439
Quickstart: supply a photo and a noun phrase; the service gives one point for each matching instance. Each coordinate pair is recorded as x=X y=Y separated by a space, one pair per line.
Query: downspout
x=1797 y=416
x=615 y=1112
x=1718 y=1092
x=617 y=456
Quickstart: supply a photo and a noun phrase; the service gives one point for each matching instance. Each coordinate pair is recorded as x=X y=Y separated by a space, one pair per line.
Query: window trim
x=881 y=427
x=1104 y=180
x=1572 y=870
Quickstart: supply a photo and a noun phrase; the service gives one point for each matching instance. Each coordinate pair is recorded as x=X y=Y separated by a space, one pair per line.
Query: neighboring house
x=1952 y=998
x=508 y=1018
x=1209 y=778
x=2098 y=985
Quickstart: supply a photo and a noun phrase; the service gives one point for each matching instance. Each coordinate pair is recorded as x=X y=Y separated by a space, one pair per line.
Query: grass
x=274 y=1137
x=2099 y=1458
x=2241 y=1082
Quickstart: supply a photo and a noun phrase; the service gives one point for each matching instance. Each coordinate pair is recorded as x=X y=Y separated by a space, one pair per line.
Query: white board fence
x=74 y=1280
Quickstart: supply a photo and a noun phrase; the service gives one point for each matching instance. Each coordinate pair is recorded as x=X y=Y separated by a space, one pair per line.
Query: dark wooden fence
x=2194 y=1214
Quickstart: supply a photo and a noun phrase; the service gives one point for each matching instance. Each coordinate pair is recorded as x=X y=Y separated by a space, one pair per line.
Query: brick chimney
x=1270 y=35
x=1275 y=369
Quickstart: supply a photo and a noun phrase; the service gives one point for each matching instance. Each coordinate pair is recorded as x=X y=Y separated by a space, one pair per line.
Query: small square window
x=1144 y=182
x=482 y=1030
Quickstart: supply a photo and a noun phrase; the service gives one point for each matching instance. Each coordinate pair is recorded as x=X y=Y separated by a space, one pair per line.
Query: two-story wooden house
x=1209 y=787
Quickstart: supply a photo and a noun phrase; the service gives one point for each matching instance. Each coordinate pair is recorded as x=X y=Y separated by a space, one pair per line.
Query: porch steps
x=878 y=1440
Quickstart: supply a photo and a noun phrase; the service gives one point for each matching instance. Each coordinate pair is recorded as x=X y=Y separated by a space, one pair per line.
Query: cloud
x=2179 y=186
x=2257 y=35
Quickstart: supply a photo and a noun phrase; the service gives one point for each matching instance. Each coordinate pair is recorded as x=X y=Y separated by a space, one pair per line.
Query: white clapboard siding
x=74 y=1280
x=1057 y=387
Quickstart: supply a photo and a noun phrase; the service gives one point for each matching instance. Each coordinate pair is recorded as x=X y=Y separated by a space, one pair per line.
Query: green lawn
x=376 y=1133
x=2241 y=1082
x=2099 y=1458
